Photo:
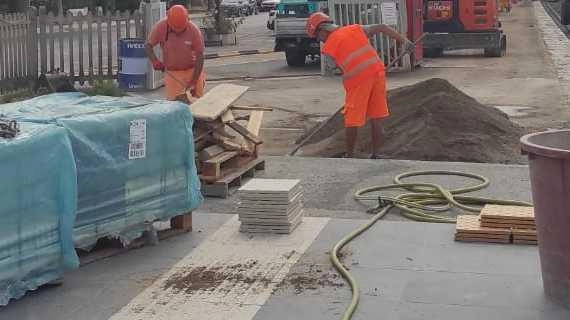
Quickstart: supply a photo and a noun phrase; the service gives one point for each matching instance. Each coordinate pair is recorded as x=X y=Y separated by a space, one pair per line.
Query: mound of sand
x=431 y=120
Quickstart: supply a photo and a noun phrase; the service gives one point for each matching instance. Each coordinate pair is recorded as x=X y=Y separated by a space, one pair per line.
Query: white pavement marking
x=228 y=277
x=558 y=45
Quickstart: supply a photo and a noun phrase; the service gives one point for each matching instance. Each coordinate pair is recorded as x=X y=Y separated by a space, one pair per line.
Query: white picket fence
x=84 y=46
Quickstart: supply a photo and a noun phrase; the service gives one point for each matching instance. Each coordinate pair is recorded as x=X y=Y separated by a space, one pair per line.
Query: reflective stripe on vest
x=355 y=54
x=361 y=67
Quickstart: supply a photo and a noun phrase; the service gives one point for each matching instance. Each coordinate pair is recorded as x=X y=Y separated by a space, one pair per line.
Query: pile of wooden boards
x=226 y=142
x=270 y=206
x=498 y=224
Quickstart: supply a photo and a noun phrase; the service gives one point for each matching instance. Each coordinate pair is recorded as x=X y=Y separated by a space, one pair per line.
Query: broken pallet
x=221 y=188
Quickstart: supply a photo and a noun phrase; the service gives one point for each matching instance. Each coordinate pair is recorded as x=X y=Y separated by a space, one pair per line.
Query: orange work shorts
x=174 y=87
x=367 y=100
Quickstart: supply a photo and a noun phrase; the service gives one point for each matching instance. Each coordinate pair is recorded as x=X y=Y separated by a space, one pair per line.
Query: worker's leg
x=174 y=87
x=377 y=110
x=351 y=135
x=173 y=84
x=377 y=136
x=355 y=107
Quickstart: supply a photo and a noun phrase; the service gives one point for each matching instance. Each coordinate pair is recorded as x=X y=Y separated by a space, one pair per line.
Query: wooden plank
x=254 y=124
x=90 y=52
x=182 y=222
x=222 y=157
x=245 y=133
x=251 y=108
x=52 y=47
x=216 y=101
x=43 y=40
x=71 y=33
x=210 y=152
x=221 y=188
x=81 y=52
x=100 y=46
x=109 y=44
x=228 y=116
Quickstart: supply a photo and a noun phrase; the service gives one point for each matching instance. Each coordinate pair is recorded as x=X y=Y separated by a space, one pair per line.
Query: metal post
x=153 y=12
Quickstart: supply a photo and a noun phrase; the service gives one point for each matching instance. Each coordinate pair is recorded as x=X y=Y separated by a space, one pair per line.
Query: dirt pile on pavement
x=431 y=120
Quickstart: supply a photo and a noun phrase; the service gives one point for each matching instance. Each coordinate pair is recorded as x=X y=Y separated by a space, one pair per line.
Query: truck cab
x=290 y=34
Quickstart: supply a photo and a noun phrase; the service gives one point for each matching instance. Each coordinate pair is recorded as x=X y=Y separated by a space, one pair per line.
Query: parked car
x=268 y=5
x=271 y=20
x=234 y=8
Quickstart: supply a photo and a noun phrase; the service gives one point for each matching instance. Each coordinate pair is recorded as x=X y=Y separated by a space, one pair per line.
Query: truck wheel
x=295 y=57
x=498 y=52
x=433 y=52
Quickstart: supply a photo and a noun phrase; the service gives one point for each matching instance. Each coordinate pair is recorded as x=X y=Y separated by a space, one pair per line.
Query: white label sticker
x=389 y=13
x=137 y=141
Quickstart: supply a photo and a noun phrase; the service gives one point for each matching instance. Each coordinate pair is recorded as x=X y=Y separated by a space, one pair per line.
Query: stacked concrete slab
x=270 y=206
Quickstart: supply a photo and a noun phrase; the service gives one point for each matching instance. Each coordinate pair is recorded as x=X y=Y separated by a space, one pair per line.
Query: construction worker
x=363 y=73
x=183 y=51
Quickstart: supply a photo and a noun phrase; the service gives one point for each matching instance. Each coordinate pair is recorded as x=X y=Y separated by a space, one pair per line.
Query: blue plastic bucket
x=133 y=65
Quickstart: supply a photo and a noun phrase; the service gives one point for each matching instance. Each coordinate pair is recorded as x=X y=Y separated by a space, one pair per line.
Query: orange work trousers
x=366 y=101
x=175 y=87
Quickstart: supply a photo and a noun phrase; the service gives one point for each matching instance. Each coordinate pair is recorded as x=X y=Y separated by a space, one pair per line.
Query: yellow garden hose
x=420 y=202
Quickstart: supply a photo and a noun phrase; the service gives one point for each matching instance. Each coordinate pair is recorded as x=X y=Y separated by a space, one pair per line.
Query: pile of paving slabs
x=519 y=219
x=498 y=224
x=270 y=206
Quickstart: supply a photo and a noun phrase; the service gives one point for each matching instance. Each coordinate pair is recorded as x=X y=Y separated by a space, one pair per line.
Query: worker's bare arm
x=374 y=29
x=148 y=48
x=199 y=66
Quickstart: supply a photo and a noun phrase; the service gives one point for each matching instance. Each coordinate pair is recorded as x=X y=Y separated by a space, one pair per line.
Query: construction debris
x=431 y=120
x=270 y=206
x=498 y=224
x=225 y=147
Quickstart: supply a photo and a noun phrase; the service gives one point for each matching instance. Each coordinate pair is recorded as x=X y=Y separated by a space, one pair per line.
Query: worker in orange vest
x=363 y=73
x=183 y=51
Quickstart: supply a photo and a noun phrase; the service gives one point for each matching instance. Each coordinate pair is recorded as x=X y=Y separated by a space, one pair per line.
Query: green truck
x=290 y=35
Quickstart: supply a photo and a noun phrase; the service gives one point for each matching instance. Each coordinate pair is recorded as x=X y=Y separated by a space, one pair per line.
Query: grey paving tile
x=479 y=258
x=422 y=311
x=300 y=307
x=470 y=289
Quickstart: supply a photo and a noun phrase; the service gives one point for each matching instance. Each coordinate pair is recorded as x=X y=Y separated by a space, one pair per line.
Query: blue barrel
x=133 y=65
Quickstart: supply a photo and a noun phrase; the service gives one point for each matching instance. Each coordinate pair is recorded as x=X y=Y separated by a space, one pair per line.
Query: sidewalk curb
x=209 y=56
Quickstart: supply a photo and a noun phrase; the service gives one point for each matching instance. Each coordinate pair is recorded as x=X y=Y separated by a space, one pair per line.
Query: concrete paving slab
x=472 y=282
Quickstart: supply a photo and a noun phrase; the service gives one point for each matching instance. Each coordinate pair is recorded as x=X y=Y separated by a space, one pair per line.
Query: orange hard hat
x=177 y=18
x=314 y=22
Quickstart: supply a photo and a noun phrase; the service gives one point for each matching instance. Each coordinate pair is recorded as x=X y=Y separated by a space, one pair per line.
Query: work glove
x=157 y=65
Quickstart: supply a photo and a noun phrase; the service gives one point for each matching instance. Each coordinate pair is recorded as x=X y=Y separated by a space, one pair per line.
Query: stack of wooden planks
x=226 y=139
x=498 y=224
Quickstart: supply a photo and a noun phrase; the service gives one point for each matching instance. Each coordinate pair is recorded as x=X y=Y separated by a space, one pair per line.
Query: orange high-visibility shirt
x=352 y=52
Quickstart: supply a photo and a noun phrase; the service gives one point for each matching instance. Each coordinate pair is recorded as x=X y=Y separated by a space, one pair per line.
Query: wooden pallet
x=232 y=177
x=111 y=247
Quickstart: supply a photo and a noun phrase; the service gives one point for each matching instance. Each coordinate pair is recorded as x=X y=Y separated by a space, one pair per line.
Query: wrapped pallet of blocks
x=37 y=209
x=135 y=161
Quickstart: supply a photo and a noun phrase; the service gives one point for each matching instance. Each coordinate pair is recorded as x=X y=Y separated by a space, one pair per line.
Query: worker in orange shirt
x=183 y=51
x=363 y=71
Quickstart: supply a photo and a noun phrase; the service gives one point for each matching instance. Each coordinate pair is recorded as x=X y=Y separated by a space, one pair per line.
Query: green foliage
x=105 y=88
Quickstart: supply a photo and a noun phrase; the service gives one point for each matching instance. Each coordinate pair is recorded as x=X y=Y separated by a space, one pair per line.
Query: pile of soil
x=431 y=120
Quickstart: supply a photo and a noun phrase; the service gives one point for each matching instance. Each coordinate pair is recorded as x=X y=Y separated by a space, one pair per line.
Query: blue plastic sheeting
x=50 y=108
x=120 y=188
x=38 y=197
x=118 y=194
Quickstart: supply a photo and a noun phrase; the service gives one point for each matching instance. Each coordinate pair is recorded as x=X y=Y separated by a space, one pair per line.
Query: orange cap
x=314 y=21
x=177 y=18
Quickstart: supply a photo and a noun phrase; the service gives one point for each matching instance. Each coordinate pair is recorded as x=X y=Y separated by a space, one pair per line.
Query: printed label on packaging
x=137 y=141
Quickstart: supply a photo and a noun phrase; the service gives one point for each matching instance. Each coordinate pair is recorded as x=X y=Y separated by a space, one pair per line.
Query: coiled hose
x=420 y=202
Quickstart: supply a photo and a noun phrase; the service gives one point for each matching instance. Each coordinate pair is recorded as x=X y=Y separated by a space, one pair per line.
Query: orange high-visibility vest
x=351 y=50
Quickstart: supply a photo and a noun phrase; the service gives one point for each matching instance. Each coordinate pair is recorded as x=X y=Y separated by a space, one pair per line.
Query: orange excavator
x=463 y=24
